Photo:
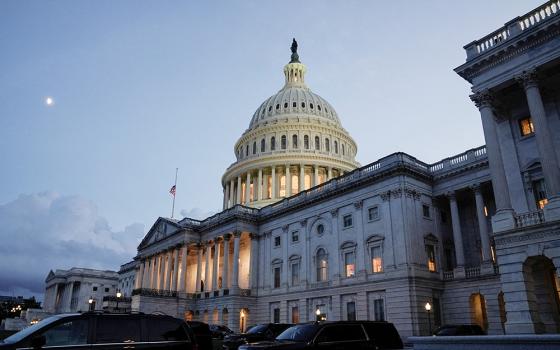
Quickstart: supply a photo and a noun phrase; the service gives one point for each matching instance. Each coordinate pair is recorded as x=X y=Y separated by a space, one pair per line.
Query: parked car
x=459 y=329
x=202 y=334
x=105 y=331
x=334 y=335
x=219 y=331
x=265 y=331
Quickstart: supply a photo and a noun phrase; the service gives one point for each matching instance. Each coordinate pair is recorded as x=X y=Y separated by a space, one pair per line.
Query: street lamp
x=428 y=308
x=118 y=297
x=318 y=314
x=90 y=301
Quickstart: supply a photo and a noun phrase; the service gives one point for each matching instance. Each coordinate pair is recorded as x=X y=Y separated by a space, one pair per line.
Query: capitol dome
x=294 y=132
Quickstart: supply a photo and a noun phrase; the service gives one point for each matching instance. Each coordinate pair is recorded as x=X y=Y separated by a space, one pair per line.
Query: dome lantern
x=295 y=70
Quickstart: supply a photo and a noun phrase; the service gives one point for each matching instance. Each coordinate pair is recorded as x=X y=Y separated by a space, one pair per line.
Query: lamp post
x=118 y=297
x=318 y=315
x=90 y=302
x=428 y=308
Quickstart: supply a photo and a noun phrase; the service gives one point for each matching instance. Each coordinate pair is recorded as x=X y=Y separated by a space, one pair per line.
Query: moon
x=49 y=101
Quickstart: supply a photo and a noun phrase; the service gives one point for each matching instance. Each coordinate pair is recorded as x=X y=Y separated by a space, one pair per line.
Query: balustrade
x=529 y=219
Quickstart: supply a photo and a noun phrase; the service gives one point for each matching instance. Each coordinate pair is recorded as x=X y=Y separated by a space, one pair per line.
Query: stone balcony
x=471 y=272
x=192 y=296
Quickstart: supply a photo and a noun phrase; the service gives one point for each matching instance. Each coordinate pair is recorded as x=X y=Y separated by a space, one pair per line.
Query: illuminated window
x=295 y=184
x=252 y=194
x=539 y=190
x=243 y=192
x=431 y=252
x=295 y=314
x=283 y=142
x=272 y=143
x=350 y=264
x=526 y=126
x=263 y=144
x=322 y=265
x=306 y=141
x=327 y=145
x=307 y=180
x=317 y=143
x=294 y=141
x=282 y=186
x=376 y=259
x=373 y=213
x=347 y=220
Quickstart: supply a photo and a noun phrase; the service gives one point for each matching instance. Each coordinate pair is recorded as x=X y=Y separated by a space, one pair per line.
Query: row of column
x=482 y=227
x=165 y=271
x=233 y=190
x=484 y=100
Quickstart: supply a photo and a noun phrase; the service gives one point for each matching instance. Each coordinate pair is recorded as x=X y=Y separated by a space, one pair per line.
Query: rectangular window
x=277 y=241
x=426 y=210
x=295 y=184
x=379 y=310
x=539 y=190
x=276 y=317
x=431 y=252
x=526 y=126
x=376 y=259
x=295 y=274
x=351 y=311
x=295 y=314
x=295 y=236
x=350 y=264
x=347 y=220
x=95 y=289
x=373 y=213
x=282 y=186
x=106 y=290
x=276 y=277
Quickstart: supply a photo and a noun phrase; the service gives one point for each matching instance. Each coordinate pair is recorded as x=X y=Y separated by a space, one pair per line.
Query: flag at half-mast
x=173 y=190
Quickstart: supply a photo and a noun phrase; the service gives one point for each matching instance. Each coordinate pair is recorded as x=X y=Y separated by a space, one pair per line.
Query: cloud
x=196 y=213
x=45 y=231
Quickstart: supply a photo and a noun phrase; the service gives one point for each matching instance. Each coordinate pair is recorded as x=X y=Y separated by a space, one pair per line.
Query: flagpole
x=173 y=207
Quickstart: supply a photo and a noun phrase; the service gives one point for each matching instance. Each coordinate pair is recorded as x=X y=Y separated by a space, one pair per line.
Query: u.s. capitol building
x=307 y=232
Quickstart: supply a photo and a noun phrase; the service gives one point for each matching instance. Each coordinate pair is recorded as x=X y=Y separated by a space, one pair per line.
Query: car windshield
x=14 y=338
x=300 y=333
x=257 y=329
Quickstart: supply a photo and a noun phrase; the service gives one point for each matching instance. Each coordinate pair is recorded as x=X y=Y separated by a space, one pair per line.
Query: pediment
x=50 y=276
x=161 y=229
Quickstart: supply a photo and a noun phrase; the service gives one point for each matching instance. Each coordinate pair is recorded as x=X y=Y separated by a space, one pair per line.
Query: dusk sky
x=143 y=87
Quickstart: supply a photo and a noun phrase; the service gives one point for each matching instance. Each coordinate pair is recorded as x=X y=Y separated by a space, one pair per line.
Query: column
x=329 y=173
x=198 y=268
x=146 y=274
x=156 y=273
x=235 y=277
x=239 y=189
x=152 y=272
x=254 y=261
x=288 y=181
x=231 y=194
x=482 y=227
x=544 y=139
x=139 y=275
x=168 y=270
x=215 y=263
x=273 y=182
x=207 y=280
x=316 y=175
x=457 y=235
x=162 y=271
x=248 y=189
x=503 y=220
x=175 y=273
x=259 y=188
x=226 y=196
x=181 y=286
x=225 y=267
x=301 y=177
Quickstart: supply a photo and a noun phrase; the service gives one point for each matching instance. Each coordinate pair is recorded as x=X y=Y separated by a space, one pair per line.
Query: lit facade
x=476 y=234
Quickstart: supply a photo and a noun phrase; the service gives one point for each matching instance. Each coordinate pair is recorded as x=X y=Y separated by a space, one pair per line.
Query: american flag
x=173 y=190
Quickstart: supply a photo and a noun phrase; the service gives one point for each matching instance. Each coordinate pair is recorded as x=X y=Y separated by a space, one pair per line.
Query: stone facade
x=70 y=290
x=476 y=234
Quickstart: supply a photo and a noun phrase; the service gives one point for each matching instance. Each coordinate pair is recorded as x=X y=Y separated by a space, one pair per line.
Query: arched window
x=246 y=150
x=317 y=143
x=327 y=145
x=336 y=147
x=294 y=141
x=272 y=143
x=322 y=265
x=283 y=142
x=342 y=149
x=277 y=106
x=306 y=142
x=285 y=104
x=263 y=144
x=254 y=147
x=294 y=104
x=319 y=107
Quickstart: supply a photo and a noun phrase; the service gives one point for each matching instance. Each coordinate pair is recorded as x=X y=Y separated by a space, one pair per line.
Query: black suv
x=335 y=335
x=104 y=331
x=265 y=331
